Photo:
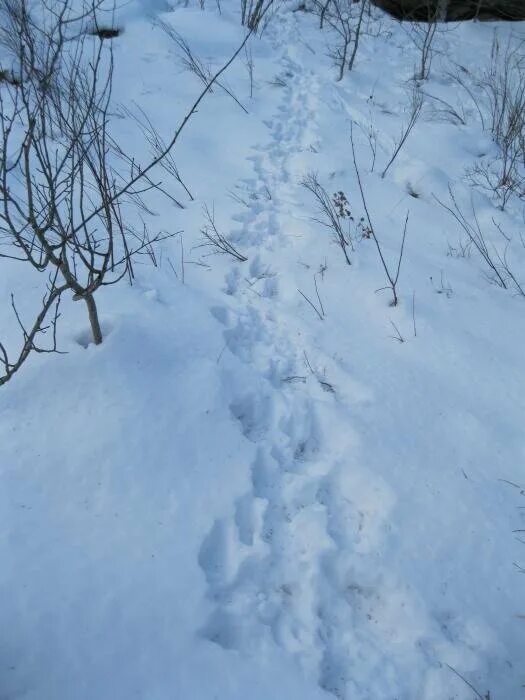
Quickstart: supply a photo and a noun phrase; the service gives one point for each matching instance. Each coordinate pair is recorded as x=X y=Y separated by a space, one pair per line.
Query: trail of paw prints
x=261 y=565
x=280 y=568
x=286 y=567
x=269 y=198
x=299 y=561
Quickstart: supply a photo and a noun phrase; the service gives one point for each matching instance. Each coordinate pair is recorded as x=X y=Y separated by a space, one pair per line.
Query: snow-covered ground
x=235 y=496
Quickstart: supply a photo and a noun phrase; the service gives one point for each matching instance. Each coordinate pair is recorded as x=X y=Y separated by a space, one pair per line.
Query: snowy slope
x=232 y=497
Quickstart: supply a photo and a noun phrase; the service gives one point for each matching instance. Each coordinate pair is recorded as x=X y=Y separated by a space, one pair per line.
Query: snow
x=231 y=497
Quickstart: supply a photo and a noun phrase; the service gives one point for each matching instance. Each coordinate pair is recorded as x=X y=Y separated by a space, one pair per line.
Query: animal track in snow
x=291 y=563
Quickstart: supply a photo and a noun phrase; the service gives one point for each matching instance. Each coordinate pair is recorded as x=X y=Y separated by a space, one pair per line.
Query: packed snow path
x=287 y=558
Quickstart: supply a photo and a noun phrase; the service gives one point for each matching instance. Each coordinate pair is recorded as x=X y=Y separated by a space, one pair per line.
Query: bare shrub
x=317 y=307
x=255 y=13
x=498 y=94
x=346 y=23
x=34 y=338
x=217 y=240
x=334 y=212
x=372 y=134
x=392 y=275
x=442 y=110
x=415 y=107
x=192 y=63
x=64 y=179
x=357 y=32
x=423 y=34
x=497 y=260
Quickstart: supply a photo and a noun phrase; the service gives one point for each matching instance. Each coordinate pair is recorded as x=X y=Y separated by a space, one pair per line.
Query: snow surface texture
x=230 y=497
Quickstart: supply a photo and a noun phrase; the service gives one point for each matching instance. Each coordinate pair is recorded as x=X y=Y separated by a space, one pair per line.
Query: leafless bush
x=442 y=110
x=346 y=23
x=391 y=275
x=334 y=212
x=159 y=148
x=504 y=84
x=64 y=179
x=423 y=34
x=321 y=8
x=357 y=32
x=498 y=94
x=255 y=13
x=416 y=105
x=371 y=134
x=34 y=337
x=427 y=17
x=217 y=240
x=192 y=63
x=317 y=307
x=498 y=267
x=502 y=176
x=463 y=249
x=340 y=21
